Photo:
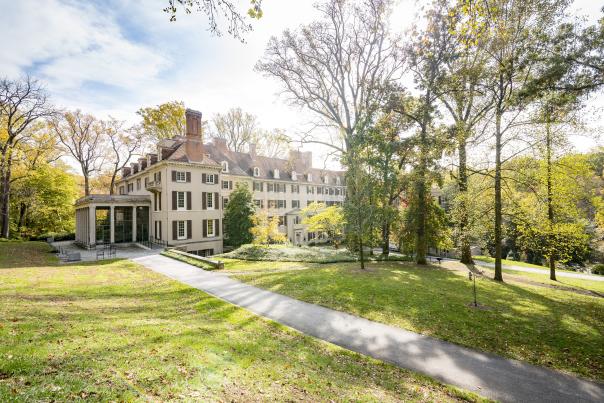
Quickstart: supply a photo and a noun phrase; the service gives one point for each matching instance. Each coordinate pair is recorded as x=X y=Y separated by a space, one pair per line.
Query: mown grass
x=114 y=331
x=544 y=326
x=507 y=262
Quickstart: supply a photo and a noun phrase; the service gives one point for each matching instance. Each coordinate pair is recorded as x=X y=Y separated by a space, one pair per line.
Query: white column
x=92 y=225
x=134 y=223
x=111 y=224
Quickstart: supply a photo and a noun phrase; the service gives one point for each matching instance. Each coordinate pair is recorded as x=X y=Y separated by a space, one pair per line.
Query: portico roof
x=112 y=199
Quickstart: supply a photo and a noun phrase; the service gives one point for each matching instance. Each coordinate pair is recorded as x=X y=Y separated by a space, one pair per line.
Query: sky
x=112 y=57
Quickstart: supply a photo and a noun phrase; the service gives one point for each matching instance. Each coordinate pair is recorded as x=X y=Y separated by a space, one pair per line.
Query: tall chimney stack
x=193 y=123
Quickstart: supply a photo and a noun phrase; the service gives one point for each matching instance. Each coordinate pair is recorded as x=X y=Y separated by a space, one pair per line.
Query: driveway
x=486 y=374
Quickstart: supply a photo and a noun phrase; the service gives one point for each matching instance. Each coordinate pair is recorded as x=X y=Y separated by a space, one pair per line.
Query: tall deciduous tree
x=123 y=144
x=427 y=54
x=512 y=30
x=163 y=121
x=237 y=127
x=83 y=136
x=22 y=102
x=238 y=217
x=337 y=67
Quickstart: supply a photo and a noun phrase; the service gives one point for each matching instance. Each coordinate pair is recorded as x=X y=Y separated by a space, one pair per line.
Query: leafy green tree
x=265 y=229
x=329 y=220
x=238 y=217
x=164 y=121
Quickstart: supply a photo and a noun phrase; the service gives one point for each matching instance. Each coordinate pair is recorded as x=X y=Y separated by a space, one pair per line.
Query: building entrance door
x=142 y=224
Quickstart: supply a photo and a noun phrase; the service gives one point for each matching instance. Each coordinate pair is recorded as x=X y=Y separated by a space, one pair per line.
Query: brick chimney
x=220 y=143
x=193 y=123
x=252 y=150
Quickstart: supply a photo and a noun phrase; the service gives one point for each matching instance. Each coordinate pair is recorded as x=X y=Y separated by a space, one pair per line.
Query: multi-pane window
x=319 y=190
x=130 y=187
x=310 y=189
x=210 y=227
x=181 y=176
x=180 y=200
x=259 y=203
x=258 y=186
x=210 y=200
x=281 y=204
x=295 y=203
x=295 y=188
x=225 y=202
x=280 y=187
x=182 y=230
x=138 y=184
x=282 y=220
x=256 y=171
x=296 y=219
x=225 y=184
x=272 y=204
x=225 y=166
x=211 y=179
x=270 y=187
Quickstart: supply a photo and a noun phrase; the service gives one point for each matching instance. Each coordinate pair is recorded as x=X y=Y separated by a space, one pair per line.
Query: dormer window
x=256 y=171
x=326 y=180
x=309 y=177
x=225 y=166
x=338 y=181
x=294 y=176
x=276 y=174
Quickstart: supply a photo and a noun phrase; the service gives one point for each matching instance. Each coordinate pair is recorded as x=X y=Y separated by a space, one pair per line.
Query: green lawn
x=489 y=259
x=545 y=326
x=114 y=331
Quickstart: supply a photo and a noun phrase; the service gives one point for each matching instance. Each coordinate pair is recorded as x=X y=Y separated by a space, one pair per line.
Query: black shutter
x=189 y=229
x=159 y=200
x=204 y=204
x=188 y=176
x=216 y=202
x=174 y=231
x=215 y=178
x=203 y=178
x=230 y=184
x=188 y=200
x=173 y=200
x=205 y=228
x=217 y=227
x=173 y=176
x=159 y=231
x=159 y=176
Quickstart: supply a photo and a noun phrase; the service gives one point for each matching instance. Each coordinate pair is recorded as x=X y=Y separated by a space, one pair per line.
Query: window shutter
x=173 y=199
x=230 y=184
x=160 y=231
x=215 y=178
x=205 y=228
x=159 y=200
x=216 y=202
x=173 y=176
x=204 y=178
x=188 y=176
x=217 y=227
x=188 y=200
x=189 y=229
x=204 y=204
x=159 y=176
x=174 y=231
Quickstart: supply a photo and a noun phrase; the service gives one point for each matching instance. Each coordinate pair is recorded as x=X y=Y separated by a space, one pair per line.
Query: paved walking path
x=583 y=276
x=486 y=374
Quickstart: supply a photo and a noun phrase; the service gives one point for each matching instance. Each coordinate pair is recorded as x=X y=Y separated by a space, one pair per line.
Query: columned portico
x=112 y=219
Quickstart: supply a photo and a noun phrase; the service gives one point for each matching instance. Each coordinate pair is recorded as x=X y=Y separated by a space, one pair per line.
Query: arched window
x=338 y=181
x=256 y=171
x=276 y=174
x=225 y=166
x=294 y=176
x=326 y=179
x=309 y=177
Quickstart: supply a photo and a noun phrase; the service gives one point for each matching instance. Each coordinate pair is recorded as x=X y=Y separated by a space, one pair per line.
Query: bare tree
x=83 y=137
x=238 y=128
x=337 y=67
x=272 y=143
x=22 y=102
x=123 y=144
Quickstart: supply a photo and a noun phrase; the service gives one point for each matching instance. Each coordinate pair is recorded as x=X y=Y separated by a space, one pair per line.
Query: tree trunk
x=421 y=247
x=112 y=185
x=5 y=196
x=22 y=211
x=386 y=238
x=361 y=253
x=86 y=184
x=498 y=204
x=550 y=198
x=466 y=252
